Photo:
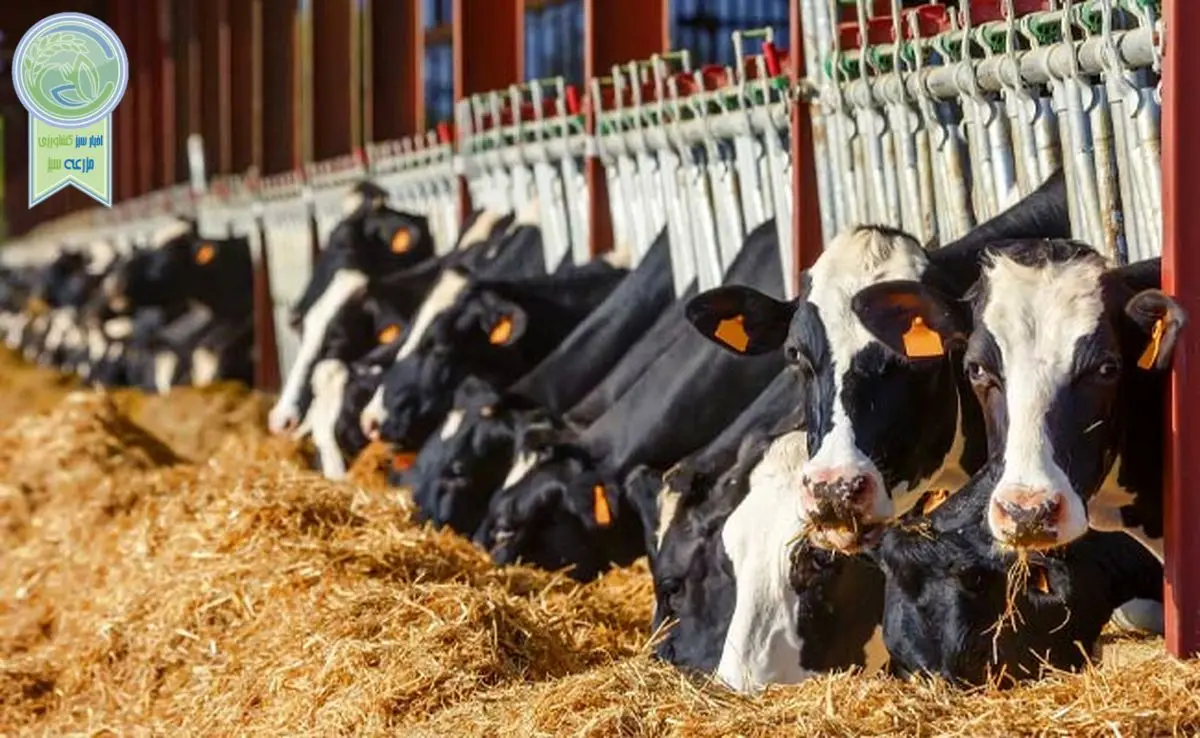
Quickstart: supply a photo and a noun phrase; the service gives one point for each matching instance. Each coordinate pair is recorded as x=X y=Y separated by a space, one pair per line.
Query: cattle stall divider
x=419 y=175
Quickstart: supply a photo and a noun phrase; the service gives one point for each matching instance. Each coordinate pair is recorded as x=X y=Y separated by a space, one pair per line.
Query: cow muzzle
x=842 y=508
x=282 y=420
x=1027 y=518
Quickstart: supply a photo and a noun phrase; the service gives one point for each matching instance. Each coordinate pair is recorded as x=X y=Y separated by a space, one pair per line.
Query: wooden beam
x=145 y=81
x=616 y=31
x=1181 y=278
x=394 y=89
x=125 y=147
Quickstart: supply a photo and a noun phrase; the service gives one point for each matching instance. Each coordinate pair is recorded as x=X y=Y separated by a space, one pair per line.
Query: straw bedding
x=170 y=570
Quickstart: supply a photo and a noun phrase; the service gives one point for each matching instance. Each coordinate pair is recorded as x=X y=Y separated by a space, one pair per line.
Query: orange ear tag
x=1041 y=581
x=600 y=509
x=502 y=331
x=205 y=254
x=934 y=500
x=732 y=333
x=401 y=241
x=403 y=461
x=921 y=342
x=389 y=334
x=1150 y=355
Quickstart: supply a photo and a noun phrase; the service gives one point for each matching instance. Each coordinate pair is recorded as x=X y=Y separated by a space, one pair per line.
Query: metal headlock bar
x=419 y=176
x=934 y=118
x=287 y=226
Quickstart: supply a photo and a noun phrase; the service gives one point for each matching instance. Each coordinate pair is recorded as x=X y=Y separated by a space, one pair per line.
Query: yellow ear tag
x=934 y=500
x=401 y=241
x=1150 y=355
x=403 y=461
x=732 y=333
x=1041 y=581
x=600 y=507
x=389 y=334
x=502 y=331
x=205 y=254
x=921 y=342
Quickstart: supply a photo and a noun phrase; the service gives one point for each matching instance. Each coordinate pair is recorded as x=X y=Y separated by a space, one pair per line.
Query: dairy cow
x=947 y=609
x=866 y=457
x=1068 y=360
x=562 y=502
x=458 y=468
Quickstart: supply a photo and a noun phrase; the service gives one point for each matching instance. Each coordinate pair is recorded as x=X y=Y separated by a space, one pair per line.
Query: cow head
x=159 y=275
x=480 y=331
x=881 y=424
x=459 y=467
x=948 y=592
x=694 y=588
x=1062 y=353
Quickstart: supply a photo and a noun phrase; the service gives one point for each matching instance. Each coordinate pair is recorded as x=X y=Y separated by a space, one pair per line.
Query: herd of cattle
x=934 y=460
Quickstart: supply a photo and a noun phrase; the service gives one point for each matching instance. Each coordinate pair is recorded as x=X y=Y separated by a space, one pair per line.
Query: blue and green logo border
x=67 y=150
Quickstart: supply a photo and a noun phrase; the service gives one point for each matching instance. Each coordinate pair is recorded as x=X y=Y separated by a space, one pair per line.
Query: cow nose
x=1024 y=517
x=837 y=498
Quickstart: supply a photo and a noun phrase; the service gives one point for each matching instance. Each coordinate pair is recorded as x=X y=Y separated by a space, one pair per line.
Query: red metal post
x=806 y=205
x=166 y=92
x=616 y=31
x=243 y=47
x=124 y=24
x=1181 y=278
x=334 y=99
x=281 y=150
x=145 y=79
x=393 y=87
x=489 y=52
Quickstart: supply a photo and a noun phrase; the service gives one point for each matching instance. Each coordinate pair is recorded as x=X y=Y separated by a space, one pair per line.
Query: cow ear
x=503 y=322
x=910 y=318
x=1161 y=319
x=741 y=319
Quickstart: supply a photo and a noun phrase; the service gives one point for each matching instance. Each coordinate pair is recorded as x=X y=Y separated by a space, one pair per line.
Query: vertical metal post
x=281 y=149
x=489 y=53
x=393 y=88
x=331 y=70
x=611 y=38
x=124 y=24
x=303 y=82
x=806 y=211
x=1181 y=278
x=164 y=12
x=145 y=78
x=245 y=84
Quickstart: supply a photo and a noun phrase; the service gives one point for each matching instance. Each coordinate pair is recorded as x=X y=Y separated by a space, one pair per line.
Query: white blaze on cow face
x=454 y=421
x=16 y=331
x=668 y=504
x=853 y=261
x=328 y=386
x=342 y=287
x=524 y=463
x=205 y=367
x=97 y=345
x=1036 y=315
x=352 y=202
x=449 y=286
x=169 y=232
x=480 y=230
x=164 y=370
x=762 y=646
x=118 y=329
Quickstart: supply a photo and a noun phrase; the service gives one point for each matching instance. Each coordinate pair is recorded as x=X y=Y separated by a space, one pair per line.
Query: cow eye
x=1108 y=370
x=976 y=371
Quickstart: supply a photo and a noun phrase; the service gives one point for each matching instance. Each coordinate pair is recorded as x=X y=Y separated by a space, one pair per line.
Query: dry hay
x=241 y=594
x=370 y=468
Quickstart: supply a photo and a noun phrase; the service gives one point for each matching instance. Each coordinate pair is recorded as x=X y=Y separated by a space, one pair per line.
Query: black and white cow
x=497 y=330
x=372 y=243
x=1068 y=359
x=457 y=469
x=193 y=280
x=946 y=604
x=682 y=400
x=684 y=511
x=883 y=426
